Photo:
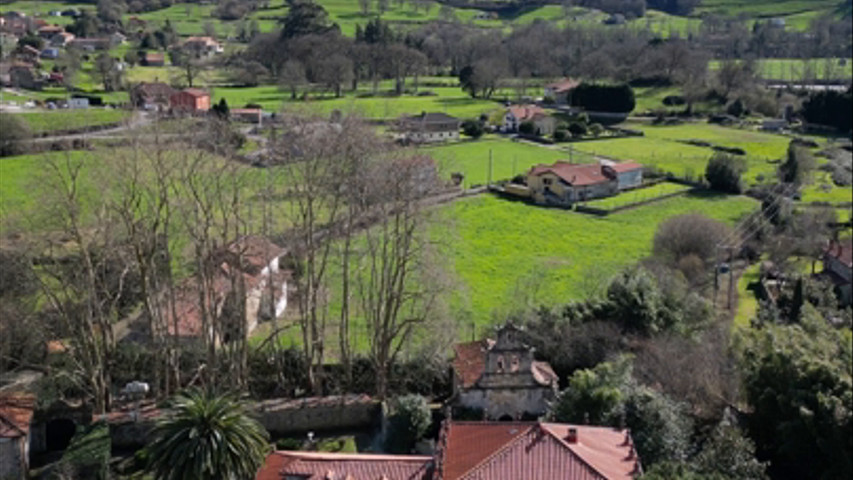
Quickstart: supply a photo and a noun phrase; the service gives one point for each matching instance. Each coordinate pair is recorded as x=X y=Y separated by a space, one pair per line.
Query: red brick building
x=190 y=100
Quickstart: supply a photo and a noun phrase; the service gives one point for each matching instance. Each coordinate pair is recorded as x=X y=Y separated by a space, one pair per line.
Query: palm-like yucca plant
x=207 y=436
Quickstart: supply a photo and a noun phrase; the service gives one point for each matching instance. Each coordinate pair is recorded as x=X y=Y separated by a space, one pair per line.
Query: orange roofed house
x=190 y=100
x=515 y=115
x=479 y=451
x=565 y=183
x=501 y=378
x=534 y=451
x=16 y=413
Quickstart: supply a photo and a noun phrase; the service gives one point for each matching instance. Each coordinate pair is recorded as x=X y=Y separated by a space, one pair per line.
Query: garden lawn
x=793 y=69
x=64 y=120
x=510 y=255
x=509 y=158
x=761 y=9
x=823 y=189
x=668 y=156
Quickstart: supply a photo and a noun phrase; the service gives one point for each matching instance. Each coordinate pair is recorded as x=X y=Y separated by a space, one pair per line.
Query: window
x=546 y=181
x=514 y=364
x=500 y=363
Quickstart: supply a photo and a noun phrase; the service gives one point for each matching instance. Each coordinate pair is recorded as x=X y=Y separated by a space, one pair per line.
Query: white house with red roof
x=566 y=183
x=515 y=115
x=501 y=377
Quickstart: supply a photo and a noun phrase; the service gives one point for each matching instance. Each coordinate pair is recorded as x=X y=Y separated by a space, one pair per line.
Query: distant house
x=561 y=92
x=117 y=38
x=248 y=115
x=50 y=53
x=153 y=59
x=430 y=127
x=774 y=124
x=48 y=31
x=78 y=102
x=533 y=451
x=203 y=46
x=16 y=415
x=543 y=123
x=501 y=378
x=838 y=268
x=23 y=75
x=246 y=278
x=566 y=183
x=61 y=39
x=90 y=44
x=151 y=96
x=29 y=54
x=190 y=100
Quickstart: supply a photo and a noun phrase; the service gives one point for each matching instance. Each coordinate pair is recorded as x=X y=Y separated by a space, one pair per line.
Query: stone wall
x=346 y=412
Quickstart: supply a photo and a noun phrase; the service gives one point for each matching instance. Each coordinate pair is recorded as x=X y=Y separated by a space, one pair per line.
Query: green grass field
x=823 y=189
x=509 y=158
x=59 y=120
x=509 y=255
x=450 y=100
x=795 y=69
x=662 y=147
x=638 y=195
x=747 y=305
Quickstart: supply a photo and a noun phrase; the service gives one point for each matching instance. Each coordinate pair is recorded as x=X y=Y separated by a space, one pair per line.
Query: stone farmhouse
x=566 y=183
x=501 y=378
x=515 y=115
x=561 y=92
x=430 y=127
x=838 y=268
x=479 y=451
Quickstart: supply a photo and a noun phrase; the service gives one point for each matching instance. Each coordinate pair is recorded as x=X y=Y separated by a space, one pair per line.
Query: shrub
x=830 y=108
x=13 y=130
x=724 y=173
x=472 y=128
x=673 y=100
x=561 y=135
x=737 y=109
x=688 y=235
x=527 y=128
x=577 y=129
x=409 y=421
x=596 y=129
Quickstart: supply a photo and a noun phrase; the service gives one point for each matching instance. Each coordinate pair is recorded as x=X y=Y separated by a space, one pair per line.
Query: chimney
x=572 y=437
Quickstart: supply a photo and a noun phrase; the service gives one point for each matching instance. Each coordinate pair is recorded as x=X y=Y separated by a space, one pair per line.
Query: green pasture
x=796 y=69
x=509 y=255
x=59 y=120
x=766 y=8
x=509 y=158
x=823 y=189
x=450 y=100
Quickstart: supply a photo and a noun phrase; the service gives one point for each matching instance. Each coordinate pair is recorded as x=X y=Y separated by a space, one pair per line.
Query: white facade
x=430 y=137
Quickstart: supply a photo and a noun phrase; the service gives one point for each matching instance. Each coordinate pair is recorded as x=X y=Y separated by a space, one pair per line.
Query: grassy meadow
x=55 y=121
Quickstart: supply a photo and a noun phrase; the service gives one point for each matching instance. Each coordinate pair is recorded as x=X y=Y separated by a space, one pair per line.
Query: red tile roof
x=574 y=174
x=564 y=85
x=470 y=360
x=842 y=252
x=534 y=451
x=16 y=413
x=526 y=112
x=343 y=466
x=196 y=92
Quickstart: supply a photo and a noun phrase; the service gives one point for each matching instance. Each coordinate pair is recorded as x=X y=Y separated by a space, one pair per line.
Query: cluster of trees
x=830 y=108
x=165 y=211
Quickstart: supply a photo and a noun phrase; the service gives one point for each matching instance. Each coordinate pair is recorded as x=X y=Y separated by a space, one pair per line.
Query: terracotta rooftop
x=196 y=92
x=470 y=360
x=16 y=413
x=342 y=466
x=843 y=252
x=535 y=451
x=526 y=112
x=564 y=85
x=574 y=174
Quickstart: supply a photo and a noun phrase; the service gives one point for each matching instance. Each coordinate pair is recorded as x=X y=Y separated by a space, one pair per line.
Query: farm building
x=517 y=114
x=151 y=59
x=50 y=53
x=190 y=100
x=203 y=46
x=566 y=183
x=838 y=267
x=248 y=115
x=501 y=378
x=151 y=96
x=48 y=31
x=91 y=44
x=431 y=127
x=16 y=414
x=61 y=39
x=561 y=92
